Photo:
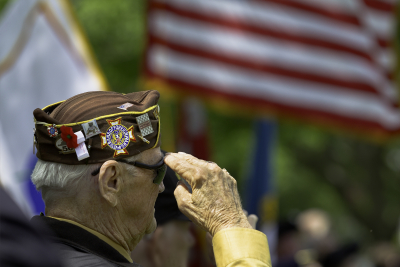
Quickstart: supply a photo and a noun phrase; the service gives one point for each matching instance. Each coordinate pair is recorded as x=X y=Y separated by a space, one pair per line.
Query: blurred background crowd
x=297 y=99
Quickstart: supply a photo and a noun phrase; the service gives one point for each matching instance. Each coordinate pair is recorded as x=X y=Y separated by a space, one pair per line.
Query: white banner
x=44 y=59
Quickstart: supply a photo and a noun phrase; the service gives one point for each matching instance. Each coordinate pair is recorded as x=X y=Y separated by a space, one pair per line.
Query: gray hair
x=57 y=180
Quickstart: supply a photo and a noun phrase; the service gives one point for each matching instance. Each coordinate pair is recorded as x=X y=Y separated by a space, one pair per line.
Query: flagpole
x=261 y=195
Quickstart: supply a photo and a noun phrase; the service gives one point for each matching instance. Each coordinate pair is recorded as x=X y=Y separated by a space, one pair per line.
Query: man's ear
x=110 y=181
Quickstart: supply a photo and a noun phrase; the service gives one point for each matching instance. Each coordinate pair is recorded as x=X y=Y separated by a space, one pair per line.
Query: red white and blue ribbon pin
x=52 y=130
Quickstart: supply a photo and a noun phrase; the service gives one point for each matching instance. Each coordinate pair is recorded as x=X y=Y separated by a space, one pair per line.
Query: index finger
x=179 y=164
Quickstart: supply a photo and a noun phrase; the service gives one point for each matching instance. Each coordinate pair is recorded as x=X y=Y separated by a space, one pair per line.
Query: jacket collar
x=77 y=237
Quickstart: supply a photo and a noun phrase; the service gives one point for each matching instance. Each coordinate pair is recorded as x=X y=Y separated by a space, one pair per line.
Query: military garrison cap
x=94 y=127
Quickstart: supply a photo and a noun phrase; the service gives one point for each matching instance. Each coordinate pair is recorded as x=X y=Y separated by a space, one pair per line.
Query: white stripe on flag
x=382 y=23
x=51 y=64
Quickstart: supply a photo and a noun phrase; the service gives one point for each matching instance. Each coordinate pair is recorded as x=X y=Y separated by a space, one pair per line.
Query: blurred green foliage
x=357 y=182
x=116 y=31
x=3 y=4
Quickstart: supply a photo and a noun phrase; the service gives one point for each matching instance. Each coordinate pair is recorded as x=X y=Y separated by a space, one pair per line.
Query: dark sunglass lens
x=160 y=174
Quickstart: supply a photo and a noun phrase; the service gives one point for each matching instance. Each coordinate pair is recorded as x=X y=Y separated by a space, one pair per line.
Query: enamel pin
x=156 y=112
x=117 y=137
x=144 y=124
x=91 y=129
x=62 y=146
x=125 y=106
x=143 y=139
x=52 y=130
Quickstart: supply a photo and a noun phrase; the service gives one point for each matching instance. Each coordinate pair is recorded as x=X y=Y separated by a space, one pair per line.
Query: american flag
x=324 y=61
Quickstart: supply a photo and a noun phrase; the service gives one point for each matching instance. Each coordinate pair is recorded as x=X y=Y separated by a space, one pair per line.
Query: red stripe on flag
x=390 y=75
x=380 y=5
x=328 y=12
x=262 y=65
x=283 y=34
x=384 y=43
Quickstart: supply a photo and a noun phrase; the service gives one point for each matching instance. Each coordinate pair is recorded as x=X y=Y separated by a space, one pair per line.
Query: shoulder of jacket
x=74 y=257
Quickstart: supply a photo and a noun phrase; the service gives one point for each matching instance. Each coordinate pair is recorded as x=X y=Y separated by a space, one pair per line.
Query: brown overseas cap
x=127 y=125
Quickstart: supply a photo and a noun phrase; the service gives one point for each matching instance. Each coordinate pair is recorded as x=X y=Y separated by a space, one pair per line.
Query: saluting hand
x=214 y=203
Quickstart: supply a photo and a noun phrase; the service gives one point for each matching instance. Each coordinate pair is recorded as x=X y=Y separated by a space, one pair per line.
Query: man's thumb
x=182 y=195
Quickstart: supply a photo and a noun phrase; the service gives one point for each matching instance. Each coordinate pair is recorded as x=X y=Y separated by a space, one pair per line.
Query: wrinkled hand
x=252 y=219
x=214 y=203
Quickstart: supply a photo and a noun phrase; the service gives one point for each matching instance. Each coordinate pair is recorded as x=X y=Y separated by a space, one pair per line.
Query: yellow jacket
x=241 y=247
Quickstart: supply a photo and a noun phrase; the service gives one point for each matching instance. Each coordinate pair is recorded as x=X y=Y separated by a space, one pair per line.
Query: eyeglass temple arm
x=142 y=165
x=134 y=163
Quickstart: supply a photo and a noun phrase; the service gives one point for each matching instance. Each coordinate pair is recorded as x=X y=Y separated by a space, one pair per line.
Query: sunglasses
x=160 y=168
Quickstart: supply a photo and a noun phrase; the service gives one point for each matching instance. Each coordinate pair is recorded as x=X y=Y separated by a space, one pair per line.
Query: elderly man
x=100 y=190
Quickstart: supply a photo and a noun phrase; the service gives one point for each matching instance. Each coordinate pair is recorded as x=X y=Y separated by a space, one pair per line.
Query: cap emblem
x=117 y=137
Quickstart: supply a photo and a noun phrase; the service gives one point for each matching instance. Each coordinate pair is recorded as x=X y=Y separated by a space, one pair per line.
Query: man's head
x=113 y=187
